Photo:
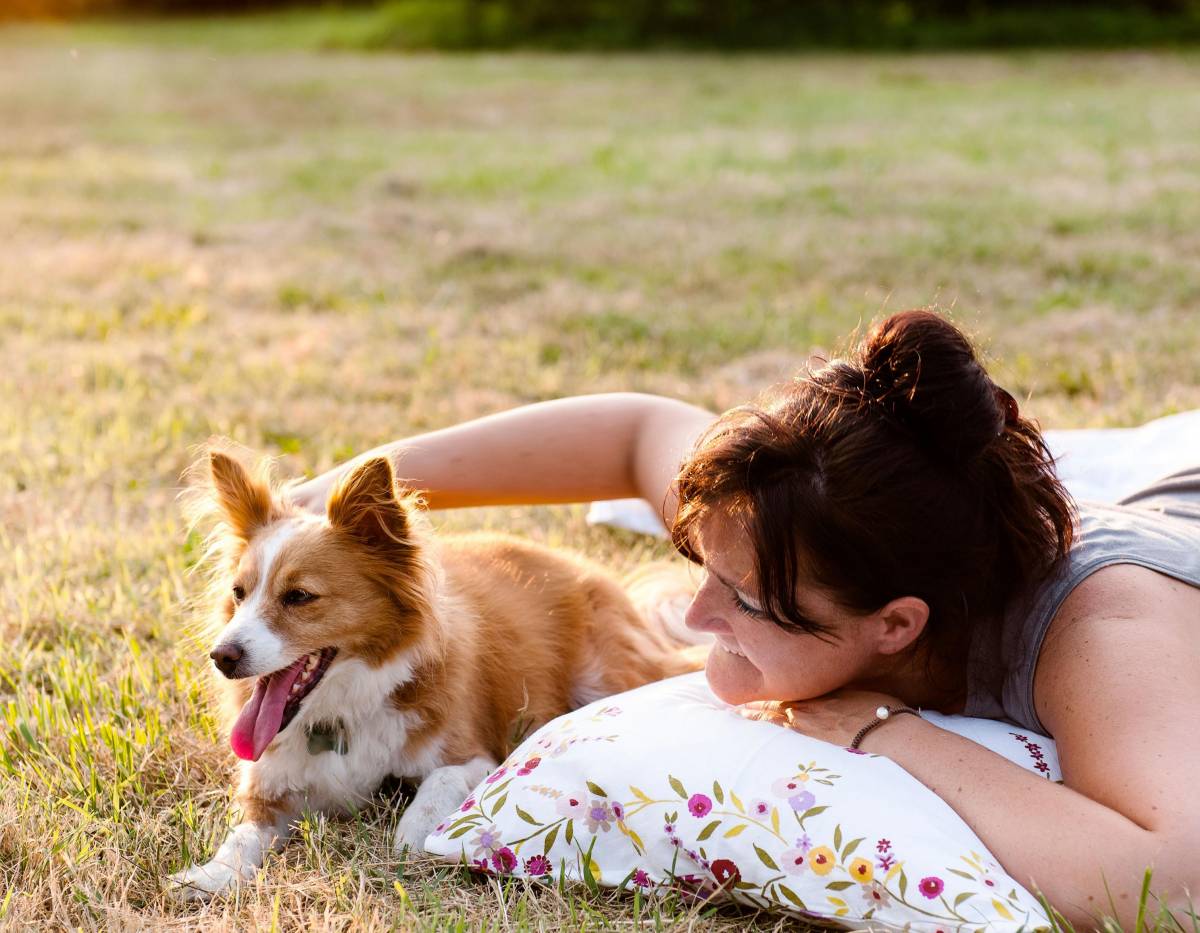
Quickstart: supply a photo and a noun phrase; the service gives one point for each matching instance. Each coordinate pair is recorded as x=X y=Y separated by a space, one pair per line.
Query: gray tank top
x=1157 y=527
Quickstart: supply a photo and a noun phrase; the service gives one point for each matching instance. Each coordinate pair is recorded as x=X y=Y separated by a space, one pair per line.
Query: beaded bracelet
x=881 y=715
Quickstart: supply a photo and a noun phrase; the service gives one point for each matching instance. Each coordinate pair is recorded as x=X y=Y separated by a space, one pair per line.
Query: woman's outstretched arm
x=611 y=446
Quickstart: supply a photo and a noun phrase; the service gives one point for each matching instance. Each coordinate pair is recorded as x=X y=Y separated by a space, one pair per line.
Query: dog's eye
x=298 y=597
x=239 y=593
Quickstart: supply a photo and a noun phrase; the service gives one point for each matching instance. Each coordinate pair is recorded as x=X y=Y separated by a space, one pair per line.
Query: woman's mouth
x=275 y=702
x=731 y=650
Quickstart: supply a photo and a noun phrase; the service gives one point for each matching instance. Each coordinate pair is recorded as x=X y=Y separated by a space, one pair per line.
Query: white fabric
x=1100 y=465
x=666 y=787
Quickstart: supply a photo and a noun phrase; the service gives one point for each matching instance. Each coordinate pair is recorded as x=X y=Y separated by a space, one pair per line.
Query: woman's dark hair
x=900 y=471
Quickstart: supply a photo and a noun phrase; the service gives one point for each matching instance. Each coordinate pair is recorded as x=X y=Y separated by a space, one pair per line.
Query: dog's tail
x=661 y=591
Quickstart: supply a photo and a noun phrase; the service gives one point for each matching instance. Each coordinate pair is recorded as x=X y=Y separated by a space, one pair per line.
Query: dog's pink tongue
x=260 y=719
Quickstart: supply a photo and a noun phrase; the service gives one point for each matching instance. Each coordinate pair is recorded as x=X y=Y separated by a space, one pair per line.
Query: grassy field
x=221 y=228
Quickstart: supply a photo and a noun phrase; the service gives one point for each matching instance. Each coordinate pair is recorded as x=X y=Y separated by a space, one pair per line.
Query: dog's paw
x=203 y=882
x=417 y=822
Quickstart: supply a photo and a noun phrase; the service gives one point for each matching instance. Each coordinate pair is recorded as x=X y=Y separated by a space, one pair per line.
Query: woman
x=888 y=530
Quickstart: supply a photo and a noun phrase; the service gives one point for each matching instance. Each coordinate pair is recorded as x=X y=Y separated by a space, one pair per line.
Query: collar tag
x=327 y=737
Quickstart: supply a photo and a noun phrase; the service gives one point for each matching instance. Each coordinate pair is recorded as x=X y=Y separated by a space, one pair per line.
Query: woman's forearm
x=1046 y=835
x=610 y=446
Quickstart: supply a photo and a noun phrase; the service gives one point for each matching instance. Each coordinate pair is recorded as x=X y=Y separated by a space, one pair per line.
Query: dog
x=358 y=645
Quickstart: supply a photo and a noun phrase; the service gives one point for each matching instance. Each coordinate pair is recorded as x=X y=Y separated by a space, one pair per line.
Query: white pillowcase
x=668 y=787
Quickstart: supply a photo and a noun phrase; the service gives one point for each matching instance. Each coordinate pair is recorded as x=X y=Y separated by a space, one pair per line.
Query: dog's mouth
x=275 y=702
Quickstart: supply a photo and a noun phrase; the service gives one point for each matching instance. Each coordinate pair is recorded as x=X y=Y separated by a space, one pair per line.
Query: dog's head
x=303 y=594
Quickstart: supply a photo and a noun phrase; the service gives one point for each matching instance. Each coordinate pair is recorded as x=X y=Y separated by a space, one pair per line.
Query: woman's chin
x=733 y=678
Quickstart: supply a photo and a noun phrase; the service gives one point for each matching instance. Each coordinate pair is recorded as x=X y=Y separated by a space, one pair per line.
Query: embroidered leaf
x=526 y=817
x=961 y=874
x=837 y=836
x=836 y=901
x=813 y=811
x=492 y=792
x=708 y=830
x=792 y=896
x=499 y=804
x=903 y=884
x=765 y=858
x=550 y=837
x=1012 y=895
x=962 y=897
x=718 y=793
x=637 y=842
x=570 y=831
x=735 y=831
x=461 y=831
x=677 y=786
x=596 y=789
x=851 y=846
x=1001 y=909
x=733 y=798
x=640 y=794
x=894 y=871
x=775 y=819
x=869 y=914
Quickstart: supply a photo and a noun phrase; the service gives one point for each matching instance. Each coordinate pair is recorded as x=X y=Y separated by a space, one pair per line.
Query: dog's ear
x=365 y=504
x=245 y=502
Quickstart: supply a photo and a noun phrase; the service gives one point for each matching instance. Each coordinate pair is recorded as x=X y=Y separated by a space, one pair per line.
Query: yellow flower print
x=861 y=871
x=821 y=860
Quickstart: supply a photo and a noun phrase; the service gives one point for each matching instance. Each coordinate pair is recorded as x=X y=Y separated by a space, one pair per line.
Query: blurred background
x=316 y=229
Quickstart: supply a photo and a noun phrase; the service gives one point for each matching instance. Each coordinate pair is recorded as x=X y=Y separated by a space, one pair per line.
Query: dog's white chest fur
x=376 y=737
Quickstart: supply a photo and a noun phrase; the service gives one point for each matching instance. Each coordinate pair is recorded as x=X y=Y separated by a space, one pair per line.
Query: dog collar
x=328 y=737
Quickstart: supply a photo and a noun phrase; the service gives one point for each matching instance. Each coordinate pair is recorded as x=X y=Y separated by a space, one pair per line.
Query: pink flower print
x=528 y=767
x=669 y=829
x=573 y=807
x=481 y=864
x=885 y=862
x=883 y=845
x=439 y=829
x=597 y=816
x=486 y=841
x=804 y=844
x=699 y=805
x=802 y=801
x=467 y=804
x=641 y=879
x=876 y=895
x=1043 y=767
x=618 y=810
x=726 y=872
x=931 y=887
x=537 y=866
x=787 y=787
x=496 y=775
x=504 y=860
x=760 y=808
x=856 y=751
x=794 y=861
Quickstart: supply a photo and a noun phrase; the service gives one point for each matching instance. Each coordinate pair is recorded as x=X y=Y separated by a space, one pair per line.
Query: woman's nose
x=703 y=615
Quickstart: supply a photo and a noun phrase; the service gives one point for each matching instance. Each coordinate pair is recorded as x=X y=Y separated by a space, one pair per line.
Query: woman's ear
x=900 y=623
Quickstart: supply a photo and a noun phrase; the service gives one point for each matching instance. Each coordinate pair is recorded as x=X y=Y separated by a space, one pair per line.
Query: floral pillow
x=667 y=788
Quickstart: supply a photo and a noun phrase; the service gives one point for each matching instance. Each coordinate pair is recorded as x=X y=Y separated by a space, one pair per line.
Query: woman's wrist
x=894 y=735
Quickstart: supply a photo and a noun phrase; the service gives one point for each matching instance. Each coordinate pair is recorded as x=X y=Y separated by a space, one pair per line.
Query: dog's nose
x=226 y=657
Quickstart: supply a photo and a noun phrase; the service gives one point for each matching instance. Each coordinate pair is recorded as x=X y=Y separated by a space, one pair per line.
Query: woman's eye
x=746 y=609
x=298 y=597
x=238 y=594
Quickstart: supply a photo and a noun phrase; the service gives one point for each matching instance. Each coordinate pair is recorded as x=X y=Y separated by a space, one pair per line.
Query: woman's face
x=755 y=659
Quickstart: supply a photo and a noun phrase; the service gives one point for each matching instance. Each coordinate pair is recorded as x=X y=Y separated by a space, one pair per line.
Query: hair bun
x=922 y=373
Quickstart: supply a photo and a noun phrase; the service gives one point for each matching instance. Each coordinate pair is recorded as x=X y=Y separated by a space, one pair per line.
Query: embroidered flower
x=528 y=767
x=883 y=845
x=571 y=806
x=481 y=864
x=760 y=808
x=802 y=801
x=856 y=751
x=885 y=862
x=597 y=816
x=496 y=775
x=669 y=829
x=618 y=810
x=699 y=805
x=439 y=829
x=467 y=804
x=931 y=887
x=486 y=841
x=726 y=872
x=788 y=786
x=804 y=844
x=504 y=860
x=876 y=895
x=793 y=861
x=537 y=866
x=821 y=860
x=641 y=879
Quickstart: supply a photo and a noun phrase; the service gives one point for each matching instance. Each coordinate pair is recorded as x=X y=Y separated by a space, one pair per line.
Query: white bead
x=883 y=712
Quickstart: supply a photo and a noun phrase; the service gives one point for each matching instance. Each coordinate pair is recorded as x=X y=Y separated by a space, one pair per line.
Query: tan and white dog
x=357 y=645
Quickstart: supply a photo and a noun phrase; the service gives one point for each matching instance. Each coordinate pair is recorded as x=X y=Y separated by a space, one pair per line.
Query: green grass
x=218 y=228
